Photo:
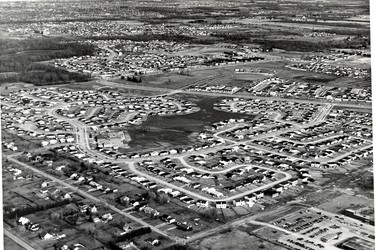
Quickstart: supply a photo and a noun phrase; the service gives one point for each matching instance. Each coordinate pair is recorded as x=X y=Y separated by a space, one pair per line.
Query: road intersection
x=82 y=141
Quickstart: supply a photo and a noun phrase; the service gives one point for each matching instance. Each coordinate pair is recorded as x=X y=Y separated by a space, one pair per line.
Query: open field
x=344 y=201
x=176 y=124
x=235 y=239
x=177 y=130
x=10 y=244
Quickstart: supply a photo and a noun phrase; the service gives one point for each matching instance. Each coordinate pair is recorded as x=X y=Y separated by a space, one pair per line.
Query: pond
x=179 y=129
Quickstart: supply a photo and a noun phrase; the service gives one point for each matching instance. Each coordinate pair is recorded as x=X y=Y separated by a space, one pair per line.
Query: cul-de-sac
x=186 y=125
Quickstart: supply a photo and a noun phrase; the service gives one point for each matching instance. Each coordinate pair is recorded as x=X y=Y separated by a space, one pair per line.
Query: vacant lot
x=20 y=142
x=345 y=201
x=178 y=130
x=236 y=240
x=10 y=244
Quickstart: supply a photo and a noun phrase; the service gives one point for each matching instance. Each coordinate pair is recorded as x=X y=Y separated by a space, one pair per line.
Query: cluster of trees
x=133 y=233
x=180 y=247
x=336 y=22
x=367 y=182
x=209 y=214
x=157 y=197
x=294 y=45
x=51 y=75
x=22 y=57
x=164 y=37
x=346 y=32
x=222 y=60
x=134 y=79
x=147 y=37
x=305 y=46
x=12 y=77
x=113 y=246
x=12 y=46
x=33 y=209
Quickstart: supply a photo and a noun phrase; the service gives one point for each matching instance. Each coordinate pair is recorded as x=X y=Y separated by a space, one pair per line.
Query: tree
x=152 y=194
x=209 y=214
x=55 y=216
x=162 y=198
x=89 y=228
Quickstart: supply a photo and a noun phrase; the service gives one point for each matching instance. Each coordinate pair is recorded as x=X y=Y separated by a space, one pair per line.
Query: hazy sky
x=17 y=0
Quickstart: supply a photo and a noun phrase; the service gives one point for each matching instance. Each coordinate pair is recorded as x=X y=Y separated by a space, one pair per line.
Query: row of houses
x=172 y=151
x=321 y=67
x=247 y=132
x=9 y=145
x=315 y=132
x=292 y=89
x=241 y=105
x=225 y=123
x=100 y=112
x=215 y=88
x=327 y=148
x=58 y=138
x=250 y=200
x=54 y=94
x=187 y=176
x=114 y=28
x=18 y=99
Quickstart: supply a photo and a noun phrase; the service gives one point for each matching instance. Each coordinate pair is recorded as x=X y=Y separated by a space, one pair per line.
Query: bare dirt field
x=345 y=201
x=12 y=87
x=236 y=240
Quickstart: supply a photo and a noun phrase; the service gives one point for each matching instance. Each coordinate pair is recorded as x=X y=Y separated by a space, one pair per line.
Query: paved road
x=85 y=194
x=111 y=55
x=182 y=160
x=18 y=240
x=351 y=222
x=236 y=222
x=272 y=98
x=198 y=196
x=254 y=222
x=249 y=96
x=82 y=141
x=336 y=158
x=313 y=141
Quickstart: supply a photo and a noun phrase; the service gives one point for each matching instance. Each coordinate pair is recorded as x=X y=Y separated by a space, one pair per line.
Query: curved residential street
x=82 y=142
x=198 y=196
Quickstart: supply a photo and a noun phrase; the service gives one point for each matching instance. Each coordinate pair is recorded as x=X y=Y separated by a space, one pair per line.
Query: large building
x=364 y=214
x=112 y=139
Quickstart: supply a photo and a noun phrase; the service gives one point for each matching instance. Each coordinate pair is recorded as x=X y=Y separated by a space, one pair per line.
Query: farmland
x=186 y=125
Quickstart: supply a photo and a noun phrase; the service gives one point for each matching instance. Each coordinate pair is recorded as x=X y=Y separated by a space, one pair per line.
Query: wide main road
x=18 y=240
x=248 y=96
x=86 y=195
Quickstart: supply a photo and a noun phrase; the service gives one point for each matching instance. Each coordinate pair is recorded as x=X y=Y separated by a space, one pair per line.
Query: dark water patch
x=179 y=129
x=195 y=122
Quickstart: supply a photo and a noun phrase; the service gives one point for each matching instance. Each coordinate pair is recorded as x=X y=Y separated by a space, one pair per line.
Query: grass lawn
x=11 y=245
x=236 y=240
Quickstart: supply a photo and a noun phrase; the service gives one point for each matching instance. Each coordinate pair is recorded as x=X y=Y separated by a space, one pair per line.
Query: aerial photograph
x=186 y=124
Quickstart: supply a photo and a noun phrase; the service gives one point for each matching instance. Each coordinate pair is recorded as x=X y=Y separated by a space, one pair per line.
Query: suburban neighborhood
x=186 y=125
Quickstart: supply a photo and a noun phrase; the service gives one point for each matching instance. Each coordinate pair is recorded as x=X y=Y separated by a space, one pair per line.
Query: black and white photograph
x=186 y=125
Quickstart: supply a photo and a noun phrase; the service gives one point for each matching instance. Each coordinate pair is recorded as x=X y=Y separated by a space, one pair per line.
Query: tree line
x=18 y=212
x=293 y=45
x=39 y=74
x=20 y=58
x=11 y=46
x=133 y=233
